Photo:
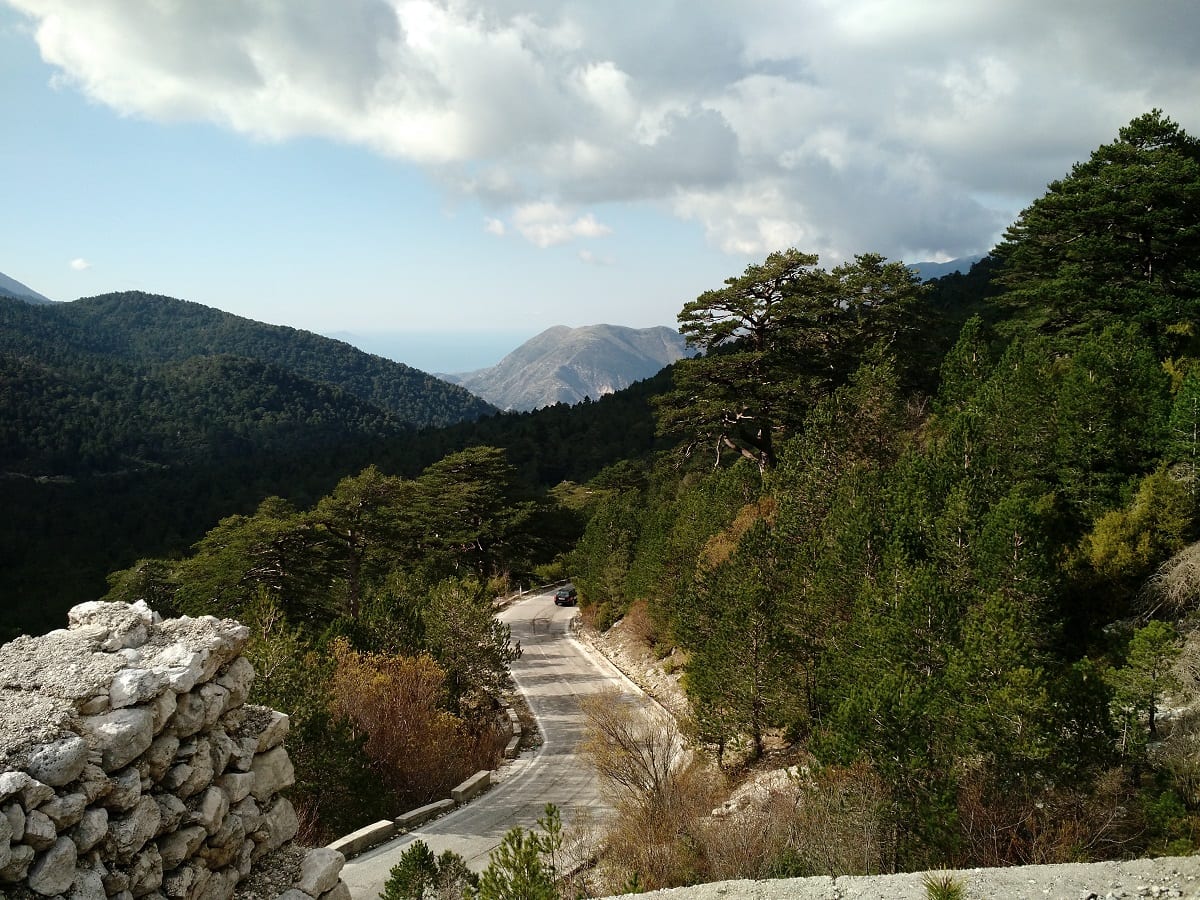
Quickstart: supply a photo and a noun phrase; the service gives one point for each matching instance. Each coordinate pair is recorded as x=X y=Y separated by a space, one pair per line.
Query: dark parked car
x=566 y=596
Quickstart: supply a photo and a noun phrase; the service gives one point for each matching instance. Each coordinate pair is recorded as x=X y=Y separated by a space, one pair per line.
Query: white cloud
x=844 y=125
x=493 y=226
x=592 y=259
x=79 y=264
x=546 y=224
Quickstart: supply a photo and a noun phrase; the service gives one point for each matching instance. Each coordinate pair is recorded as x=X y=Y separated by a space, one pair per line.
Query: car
x=566 y=596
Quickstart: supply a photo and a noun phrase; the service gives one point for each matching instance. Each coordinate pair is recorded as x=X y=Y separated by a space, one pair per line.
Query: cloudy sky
x=419 y=167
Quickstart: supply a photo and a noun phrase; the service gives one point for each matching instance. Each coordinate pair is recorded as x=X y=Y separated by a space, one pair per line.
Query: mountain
x=140 y=329
x=10 y=287
x=565 y=365
x=928 y=270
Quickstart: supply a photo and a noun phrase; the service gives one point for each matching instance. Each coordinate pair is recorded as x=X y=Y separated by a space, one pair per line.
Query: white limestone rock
x=88 y=885
x=320 y=870
x=237 y=679
x=216 y=700
x=273 y=771
x=274 y=732
x=12 y=784
x=237 y=785
x=20 y=859
x=60 y=762
x=171 y=811
x=14 y=814
x=224 y=846
x=157 y=760
x=40 y=833
x=222 y=749
x=65 y=810
x=54 y=870
x=210 y=810
x=281 y=824
x=221 y=885
x=202 y=770
x=146 y=872
x=179 y=846
x=128 y=834
x=36 y=794
x=94 y=783
x=251 y=815
x=134 y=686
x=189 y=715
x=125 y=790
x=121 y=735
x=91 y=830
x=164 y=707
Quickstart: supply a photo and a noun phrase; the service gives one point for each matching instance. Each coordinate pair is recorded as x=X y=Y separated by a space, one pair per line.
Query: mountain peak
x=565 y=365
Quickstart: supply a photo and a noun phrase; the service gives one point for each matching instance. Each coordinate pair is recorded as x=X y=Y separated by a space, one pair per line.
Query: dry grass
x=1175 y=588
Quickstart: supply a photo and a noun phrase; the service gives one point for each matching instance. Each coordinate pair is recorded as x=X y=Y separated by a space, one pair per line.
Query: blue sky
x=402 y=170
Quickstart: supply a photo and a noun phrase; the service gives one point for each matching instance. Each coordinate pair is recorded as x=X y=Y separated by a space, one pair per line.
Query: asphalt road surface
x=553 y=673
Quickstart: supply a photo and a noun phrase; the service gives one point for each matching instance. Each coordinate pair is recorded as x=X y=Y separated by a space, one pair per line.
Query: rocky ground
x=1167 y=877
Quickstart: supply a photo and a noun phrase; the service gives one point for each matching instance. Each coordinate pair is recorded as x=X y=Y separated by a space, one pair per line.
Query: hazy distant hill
x=567 y=364
x=146 y=329
x=928 y=270
x=10 y=287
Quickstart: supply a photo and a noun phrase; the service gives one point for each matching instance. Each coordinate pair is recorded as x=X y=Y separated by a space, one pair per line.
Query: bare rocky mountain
x=10 y=287
x=565 y=365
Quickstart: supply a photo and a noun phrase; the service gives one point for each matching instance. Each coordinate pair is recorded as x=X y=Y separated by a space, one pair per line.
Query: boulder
x=91 y=830
x=65 y=810
x=88 y=885
x=237 y=679
x=128 y=834
x=20 y=859
x=210 y=810
x=273 y=771
x=125 y=790
x=121 y=735
x=320 y=870
x=133 y=686
x=189 y=715
x=58 y=762
x=54 y=870
x=15 y=815
x=179 y=846
x=40 y=833
x=146 y=872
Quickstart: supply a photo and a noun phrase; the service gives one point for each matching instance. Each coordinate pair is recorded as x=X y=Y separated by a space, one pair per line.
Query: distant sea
x=438 y=352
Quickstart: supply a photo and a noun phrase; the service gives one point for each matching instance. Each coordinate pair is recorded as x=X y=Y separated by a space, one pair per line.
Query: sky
x=447 y=178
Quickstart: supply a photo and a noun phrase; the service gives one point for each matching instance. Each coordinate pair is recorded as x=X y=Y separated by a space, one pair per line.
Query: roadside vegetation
x=935 y=545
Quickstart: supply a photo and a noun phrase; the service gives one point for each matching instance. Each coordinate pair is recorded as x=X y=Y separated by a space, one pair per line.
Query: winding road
x=553 y=673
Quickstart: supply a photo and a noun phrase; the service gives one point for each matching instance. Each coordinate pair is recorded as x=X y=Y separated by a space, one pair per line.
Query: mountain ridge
x=153 y=329
x=10 y=287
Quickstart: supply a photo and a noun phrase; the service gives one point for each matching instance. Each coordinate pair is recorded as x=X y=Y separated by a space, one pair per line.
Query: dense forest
x=968 y=590
x=939 y=542
x=130 y=423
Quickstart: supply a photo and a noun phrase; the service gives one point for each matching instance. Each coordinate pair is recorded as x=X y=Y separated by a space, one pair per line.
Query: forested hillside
x=129 y=423
x=956 y=582
x=145 y=330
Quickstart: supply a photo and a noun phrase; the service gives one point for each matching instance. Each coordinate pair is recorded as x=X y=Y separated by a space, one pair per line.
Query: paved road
x=554 y=671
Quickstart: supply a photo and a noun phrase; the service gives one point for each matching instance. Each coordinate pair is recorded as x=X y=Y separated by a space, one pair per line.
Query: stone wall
x=131 y=765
